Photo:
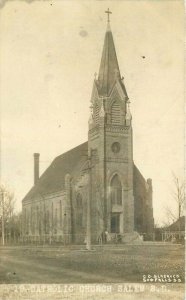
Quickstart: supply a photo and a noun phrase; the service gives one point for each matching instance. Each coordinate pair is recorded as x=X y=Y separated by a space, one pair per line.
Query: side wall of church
x=46 y=219
x=79 y=213
x=143 y=211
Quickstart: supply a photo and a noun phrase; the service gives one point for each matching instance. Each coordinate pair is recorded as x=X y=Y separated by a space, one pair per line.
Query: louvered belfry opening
x=115 y=114
x=96 y=114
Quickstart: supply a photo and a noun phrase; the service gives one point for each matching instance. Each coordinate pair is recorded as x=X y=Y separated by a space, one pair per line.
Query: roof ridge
x=53 y=178
x=69 y=150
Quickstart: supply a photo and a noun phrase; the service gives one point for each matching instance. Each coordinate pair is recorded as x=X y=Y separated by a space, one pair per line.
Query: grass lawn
x=126 y=263
x=116 y=264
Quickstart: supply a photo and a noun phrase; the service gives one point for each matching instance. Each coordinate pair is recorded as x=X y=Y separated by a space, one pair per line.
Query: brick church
x=94 y=187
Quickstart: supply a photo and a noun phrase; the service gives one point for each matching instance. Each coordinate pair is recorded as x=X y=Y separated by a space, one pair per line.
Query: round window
x=115 y=147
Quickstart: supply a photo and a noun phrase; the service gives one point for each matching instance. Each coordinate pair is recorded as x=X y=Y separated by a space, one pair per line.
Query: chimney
x=36 y=167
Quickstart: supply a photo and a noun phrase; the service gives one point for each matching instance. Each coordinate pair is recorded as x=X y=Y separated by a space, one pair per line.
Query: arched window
x=32 y=220
x=60 y=213
x=27 y=216
x=79 y=211
x=55 y=221
x=79 y=203
x=52 y=217
x=116 y=191
x=115 y=113
x=96 y=114
x=47 y=222
x=38 y=220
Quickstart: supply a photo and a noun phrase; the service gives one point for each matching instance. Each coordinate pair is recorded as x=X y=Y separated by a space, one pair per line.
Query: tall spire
x=109 y=69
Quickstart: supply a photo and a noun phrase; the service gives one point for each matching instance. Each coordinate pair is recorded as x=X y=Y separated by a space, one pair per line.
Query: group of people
x=105 y=237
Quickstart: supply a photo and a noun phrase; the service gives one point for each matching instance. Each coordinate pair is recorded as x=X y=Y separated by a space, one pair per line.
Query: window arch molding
x=112 y=175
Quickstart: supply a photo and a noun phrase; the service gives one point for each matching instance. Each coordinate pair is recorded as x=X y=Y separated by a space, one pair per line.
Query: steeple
x=109 y=69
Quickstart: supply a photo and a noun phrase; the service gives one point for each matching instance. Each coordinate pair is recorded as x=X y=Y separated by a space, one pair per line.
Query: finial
x=108 y=12
x=128 y=114
x=116 y=71
x=91 y=115
x=91 y=108
x=128 y=102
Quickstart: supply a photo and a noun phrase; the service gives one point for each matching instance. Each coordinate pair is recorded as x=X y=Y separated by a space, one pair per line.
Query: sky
x=49 y=53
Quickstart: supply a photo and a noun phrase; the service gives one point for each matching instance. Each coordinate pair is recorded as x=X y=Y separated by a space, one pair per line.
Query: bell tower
x=110 y=146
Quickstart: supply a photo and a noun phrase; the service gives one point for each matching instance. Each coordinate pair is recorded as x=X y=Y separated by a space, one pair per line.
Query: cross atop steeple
x=108 y=12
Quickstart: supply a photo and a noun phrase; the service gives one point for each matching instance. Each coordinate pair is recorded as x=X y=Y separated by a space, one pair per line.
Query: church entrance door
x=115 y=222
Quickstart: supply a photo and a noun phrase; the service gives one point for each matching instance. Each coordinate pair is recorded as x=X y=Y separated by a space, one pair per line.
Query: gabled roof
x=71 y=162
x=178 y=225
x=137 y=176
x=53 y=179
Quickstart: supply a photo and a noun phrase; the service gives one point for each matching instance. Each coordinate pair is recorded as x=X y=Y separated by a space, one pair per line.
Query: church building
x=94 y=187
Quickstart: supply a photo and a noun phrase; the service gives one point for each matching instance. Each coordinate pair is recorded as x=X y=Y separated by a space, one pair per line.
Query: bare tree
x=178 y=198
x=178 y=195
x=14 y=226
x=170 y=217
x=7 y=204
